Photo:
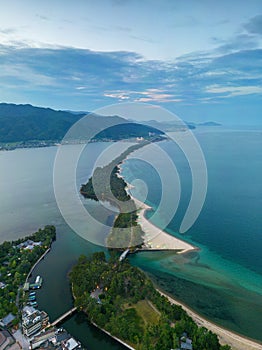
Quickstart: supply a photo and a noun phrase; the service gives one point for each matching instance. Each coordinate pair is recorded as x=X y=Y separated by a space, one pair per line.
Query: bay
x=27 y=203
x=222 y=281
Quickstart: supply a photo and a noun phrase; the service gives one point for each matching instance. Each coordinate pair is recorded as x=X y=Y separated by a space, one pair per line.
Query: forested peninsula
x=107 y=185
x=122 y=300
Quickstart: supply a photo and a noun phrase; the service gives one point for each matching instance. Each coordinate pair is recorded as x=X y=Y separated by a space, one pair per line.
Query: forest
x=121 y=299
x=106 y=185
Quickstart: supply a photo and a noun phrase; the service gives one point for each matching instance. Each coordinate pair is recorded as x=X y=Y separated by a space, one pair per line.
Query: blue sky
x=200 y=59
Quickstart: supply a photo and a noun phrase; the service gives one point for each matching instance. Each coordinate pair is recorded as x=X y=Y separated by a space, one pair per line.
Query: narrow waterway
x=55 y=296
x=223 y=282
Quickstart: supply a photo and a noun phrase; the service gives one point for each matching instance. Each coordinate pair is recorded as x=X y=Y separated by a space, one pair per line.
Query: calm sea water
x=27 y=203
x=222 y=281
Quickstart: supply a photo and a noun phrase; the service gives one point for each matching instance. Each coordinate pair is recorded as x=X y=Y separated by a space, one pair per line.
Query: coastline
x=157 y=239
x=114 y=337
x=236 y=341
x=154 y=237
x=36 y=263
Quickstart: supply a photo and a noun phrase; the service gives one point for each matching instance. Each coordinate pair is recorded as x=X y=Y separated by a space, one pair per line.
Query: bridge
x=65 y=315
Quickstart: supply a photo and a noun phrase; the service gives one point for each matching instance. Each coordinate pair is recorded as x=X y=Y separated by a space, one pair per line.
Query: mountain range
x=25 y=123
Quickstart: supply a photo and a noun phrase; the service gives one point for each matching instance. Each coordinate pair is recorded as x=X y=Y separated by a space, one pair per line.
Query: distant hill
x=170 y=125
x=175 y=125
x=23 y=123
x=209 y=124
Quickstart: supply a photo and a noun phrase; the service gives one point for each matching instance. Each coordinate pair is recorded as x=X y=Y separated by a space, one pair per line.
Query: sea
x=222 y=280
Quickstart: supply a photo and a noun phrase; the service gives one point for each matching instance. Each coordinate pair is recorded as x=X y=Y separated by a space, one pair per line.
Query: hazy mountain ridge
x=26 y=123
x=170 y=125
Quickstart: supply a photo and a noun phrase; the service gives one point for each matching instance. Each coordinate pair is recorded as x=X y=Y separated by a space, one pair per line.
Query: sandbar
x=155 y=238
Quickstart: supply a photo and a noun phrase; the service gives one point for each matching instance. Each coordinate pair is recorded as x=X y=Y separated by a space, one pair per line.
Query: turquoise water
x=223 y=281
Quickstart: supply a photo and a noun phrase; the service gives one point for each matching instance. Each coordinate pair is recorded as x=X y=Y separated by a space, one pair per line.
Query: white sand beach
x=155 y=238
x=236 y=341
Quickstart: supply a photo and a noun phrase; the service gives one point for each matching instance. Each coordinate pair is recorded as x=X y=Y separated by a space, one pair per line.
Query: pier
x=65 y=315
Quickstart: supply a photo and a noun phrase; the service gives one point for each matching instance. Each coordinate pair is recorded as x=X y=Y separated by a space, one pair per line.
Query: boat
x=32 y=303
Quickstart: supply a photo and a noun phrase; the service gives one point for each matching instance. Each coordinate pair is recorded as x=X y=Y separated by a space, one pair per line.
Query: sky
x=199 y=59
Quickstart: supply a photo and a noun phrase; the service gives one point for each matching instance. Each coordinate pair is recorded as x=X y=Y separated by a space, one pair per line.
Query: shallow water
x=222 y=281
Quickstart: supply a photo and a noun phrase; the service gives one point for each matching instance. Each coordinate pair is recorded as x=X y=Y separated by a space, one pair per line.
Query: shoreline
x=158 y=240
x=36 y=263
x=155 y=238
x=235 y=340
x=114 y=337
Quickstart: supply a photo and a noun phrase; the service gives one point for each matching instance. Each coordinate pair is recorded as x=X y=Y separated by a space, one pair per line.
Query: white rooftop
x=71 y=344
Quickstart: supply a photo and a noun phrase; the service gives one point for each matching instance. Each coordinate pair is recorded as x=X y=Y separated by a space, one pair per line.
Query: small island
x=121 y=300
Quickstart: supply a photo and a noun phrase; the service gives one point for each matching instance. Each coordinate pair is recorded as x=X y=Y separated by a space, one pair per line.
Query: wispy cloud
x=8 y=31
x=231 y=91
x=91 y=78
x=148 y=95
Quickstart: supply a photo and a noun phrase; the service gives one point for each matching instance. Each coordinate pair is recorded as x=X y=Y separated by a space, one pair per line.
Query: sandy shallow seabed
x=236 y=341
x=156 y=239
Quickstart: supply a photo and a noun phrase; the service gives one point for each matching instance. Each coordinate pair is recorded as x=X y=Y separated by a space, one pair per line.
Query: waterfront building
x=42 y=338
x=55 y=339
x=70 y=344
x=33 y=320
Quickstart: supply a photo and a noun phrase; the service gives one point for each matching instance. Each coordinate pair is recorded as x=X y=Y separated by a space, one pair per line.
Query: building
x=70 y=344
x=7 y=321
x=185 y=342
x=2 y=285
x=33 y=320
x=7 y=341
x=96 y=293
x=29 y=245
x=42 y=338
x=55 y=339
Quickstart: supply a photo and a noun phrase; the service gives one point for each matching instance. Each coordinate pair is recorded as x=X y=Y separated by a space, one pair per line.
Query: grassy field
x=146 y=311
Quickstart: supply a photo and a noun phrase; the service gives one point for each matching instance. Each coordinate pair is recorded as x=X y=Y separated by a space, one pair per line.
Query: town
x=22 y=324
